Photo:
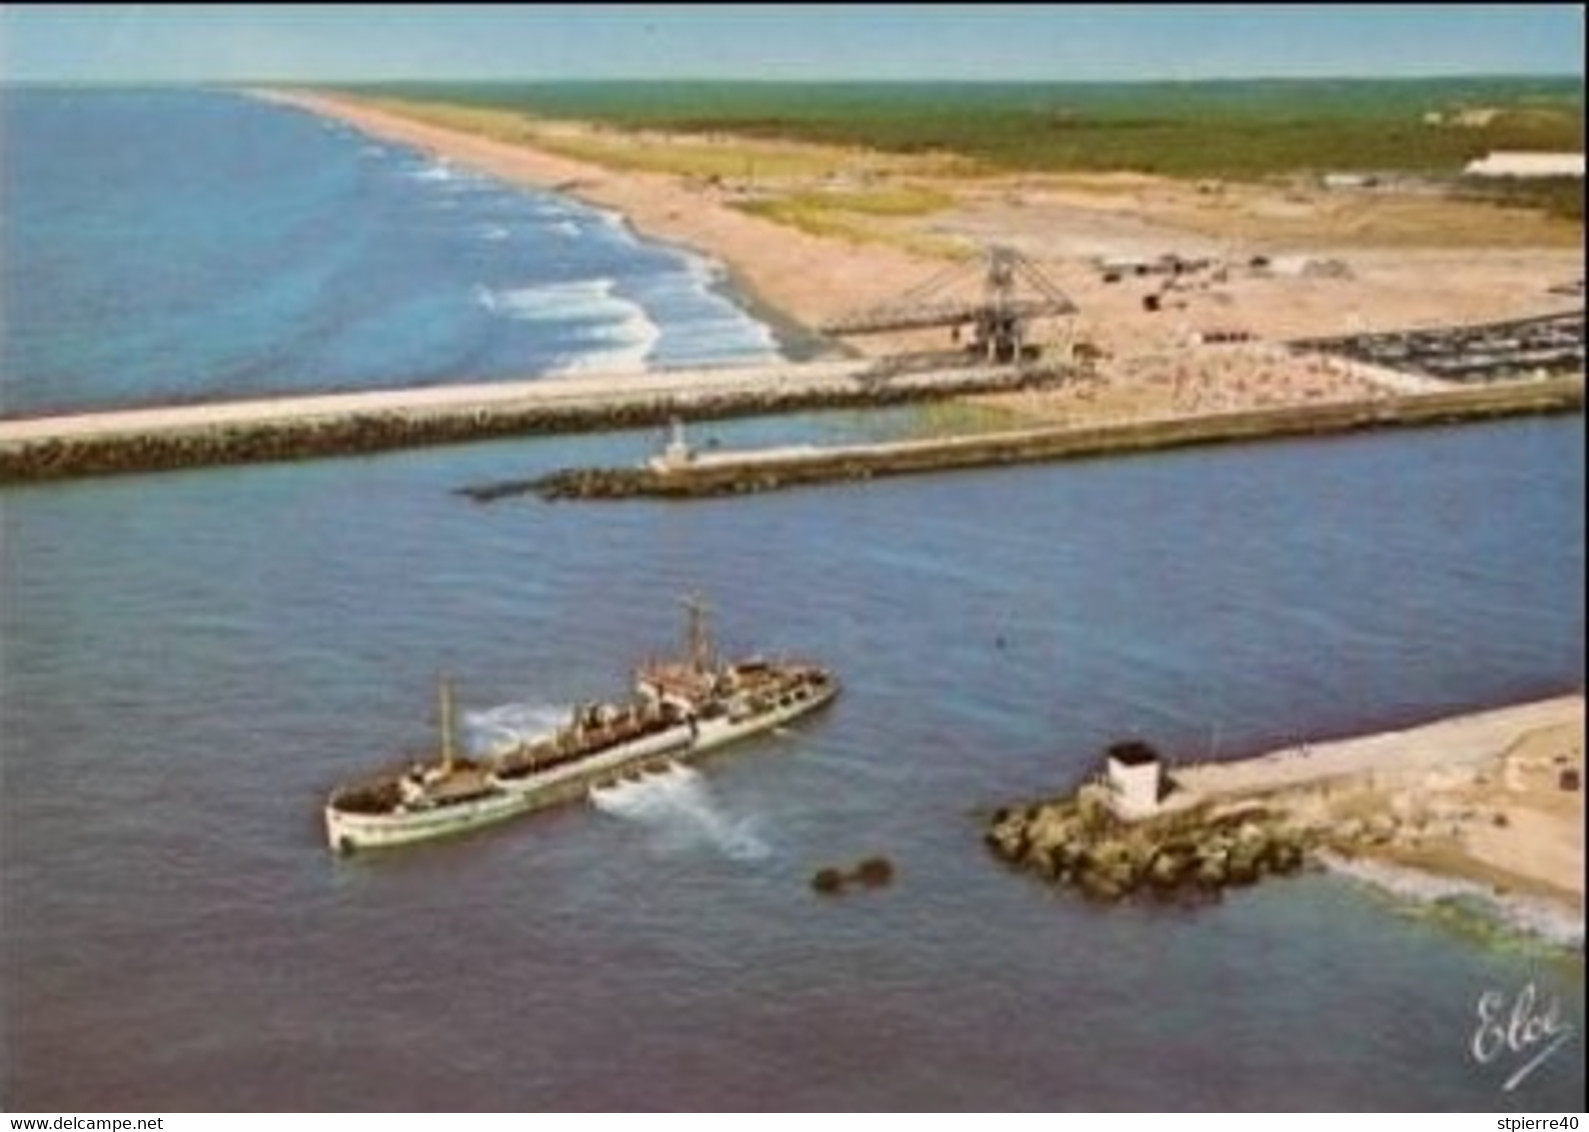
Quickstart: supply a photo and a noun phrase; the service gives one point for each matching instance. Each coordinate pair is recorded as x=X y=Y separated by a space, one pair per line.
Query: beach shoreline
x=794 y=280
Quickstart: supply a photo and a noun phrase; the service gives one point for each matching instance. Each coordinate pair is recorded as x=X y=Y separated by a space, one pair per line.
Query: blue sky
x=221 y=42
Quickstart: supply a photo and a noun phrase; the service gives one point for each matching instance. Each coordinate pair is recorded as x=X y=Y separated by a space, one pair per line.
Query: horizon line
x=1511 y=76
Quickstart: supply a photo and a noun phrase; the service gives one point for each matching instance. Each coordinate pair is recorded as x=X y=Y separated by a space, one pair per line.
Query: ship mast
x=700 y=639
x=445 y=692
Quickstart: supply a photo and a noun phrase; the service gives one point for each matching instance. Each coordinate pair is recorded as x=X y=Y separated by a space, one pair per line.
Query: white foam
x=493 y=232
x=441 y=172
x=718 y=341
x=492 y=730
x=679 y=808
x=1542 y=918
x=614 y=220
x=621 y=333
x=704 y=272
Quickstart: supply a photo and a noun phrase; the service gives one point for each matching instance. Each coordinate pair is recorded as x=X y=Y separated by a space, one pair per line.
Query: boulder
x=1168 y=868
x=1243 y=865
x=874 y=872
x=1096 y=885
x=1210 y=872
x=827 y=881
x=1285 y=857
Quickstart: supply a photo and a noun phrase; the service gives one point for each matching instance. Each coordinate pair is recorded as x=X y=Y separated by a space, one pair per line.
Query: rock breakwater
x=1198 y=851
x=362 y=424
x=749 y=472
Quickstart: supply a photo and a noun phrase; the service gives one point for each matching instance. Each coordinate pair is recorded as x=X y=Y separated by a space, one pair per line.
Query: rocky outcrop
x=1079 y=842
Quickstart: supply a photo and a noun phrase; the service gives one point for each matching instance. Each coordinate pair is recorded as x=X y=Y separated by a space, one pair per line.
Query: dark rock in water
x=873 y=872
x=828 y=881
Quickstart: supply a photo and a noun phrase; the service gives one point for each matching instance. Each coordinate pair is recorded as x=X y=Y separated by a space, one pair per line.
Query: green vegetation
x=1558 y=196
x=1235 y=130
x=849 y=214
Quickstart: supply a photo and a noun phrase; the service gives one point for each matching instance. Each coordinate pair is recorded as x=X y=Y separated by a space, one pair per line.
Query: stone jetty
x=1492 y=797
x=737 y=473
x=186 y=436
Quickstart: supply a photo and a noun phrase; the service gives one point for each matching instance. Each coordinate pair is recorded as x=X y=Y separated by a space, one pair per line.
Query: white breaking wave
x=493 y=232
x=679 y=808
x=718 y=340
x=441 y=172
x=616 y=221
x=621 y=333
x=1542 y=918
x=702 y=326
x=491 y=730
x=703 y=271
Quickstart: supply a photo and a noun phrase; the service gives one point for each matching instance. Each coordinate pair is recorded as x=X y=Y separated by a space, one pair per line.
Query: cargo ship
x=680 y=708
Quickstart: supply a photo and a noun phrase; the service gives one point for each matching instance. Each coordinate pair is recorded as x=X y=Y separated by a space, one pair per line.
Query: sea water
x=190 y=661
x=168 y=245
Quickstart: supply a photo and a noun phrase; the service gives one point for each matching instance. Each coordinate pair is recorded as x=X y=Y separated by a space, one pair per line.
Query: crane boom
x=998 y=317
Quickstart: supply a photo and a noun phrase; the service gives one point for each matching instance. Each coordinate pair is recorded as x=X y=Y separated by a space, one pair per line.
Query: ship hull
x=347 y=832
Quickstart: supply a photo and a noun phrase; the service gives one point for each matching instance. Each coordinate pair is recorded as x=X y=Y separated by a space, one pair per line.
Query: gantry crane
x=998 y=318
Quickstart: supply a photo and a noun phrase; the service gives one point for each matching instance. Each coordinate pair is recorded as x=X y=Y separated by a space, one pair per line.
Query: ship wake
x=679 y=809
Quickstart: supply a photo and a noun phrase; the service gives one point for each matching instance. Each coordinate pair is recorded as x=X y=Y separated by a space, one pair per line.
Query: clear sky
x=244 y=42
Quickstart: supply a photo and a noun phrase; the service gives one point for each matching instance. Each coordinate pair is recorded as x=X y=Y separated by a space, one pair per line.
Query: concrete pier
x=143 y=440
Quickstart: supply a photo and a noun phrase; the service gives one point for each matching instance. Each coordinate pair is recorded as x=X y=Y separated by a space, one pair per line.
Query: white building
x=1526 y=163
x=1135 y=776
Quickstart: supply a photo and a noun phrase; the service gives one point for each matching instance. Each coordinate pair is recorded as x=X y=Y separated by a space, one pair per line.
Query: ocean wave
x=621 y=331
x=702 y=270
x=717 y=341
x=1533 y=916
x=440 y=172
x=615 y=222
